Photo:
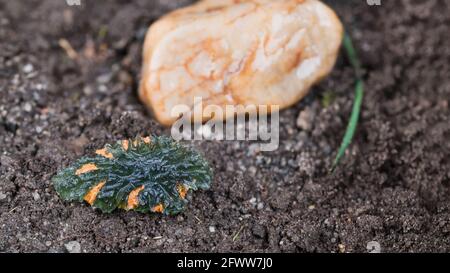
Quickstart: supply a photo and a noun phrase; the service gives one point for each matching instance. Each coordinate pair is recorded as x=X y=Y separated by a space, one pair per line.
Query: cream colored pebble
x=238 y=52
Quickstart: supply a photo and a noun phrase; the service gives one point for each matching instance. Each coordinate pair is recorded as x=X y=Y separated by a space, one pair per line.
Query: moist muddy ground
x=392 y=188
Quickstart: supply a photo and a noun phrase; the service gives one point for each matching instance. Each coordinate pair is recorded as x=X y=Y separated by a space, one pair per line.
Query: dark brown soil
x=393 y=186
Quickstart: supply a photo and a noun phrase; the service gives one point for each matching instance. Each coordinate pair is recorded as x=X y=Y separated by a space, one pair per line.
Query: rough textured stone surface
x=252 y=52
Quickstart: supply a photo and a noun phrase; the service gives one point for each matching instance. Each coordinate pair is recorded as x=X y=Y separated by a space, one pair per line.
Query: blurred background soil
x=392 y=188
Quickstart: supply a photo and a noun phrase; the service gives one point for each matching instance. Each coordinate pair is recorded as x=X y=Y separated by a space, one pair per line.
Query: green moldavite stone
x=145 y=174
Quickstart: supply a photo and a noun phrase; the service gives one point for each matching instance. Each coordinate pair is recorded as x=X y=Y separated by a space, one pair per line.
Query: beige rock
x=238 y=52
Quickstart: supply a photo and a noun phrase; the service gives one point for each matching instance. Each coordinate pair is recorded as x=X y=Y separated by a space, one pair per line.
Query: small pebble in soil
x=259 y=231
x=27 y=107
x=2 y=196
x=73 y=247
x=36 y=196
x=305 y=119
x=373 y=247
x=212 y=229
x=260 y=206
x=254 y=149
x=28 y=68
x=105 y=78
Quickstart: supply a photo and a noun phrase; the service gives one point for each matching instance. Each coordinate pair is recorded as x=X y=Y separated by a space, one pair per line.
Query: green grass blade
x=351 y=54
x=359 y=95
x=351 y=128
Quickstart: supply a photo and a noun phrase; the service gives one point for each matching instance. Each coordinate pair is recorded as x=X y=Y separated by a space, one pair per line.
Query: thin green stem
x=359 y=95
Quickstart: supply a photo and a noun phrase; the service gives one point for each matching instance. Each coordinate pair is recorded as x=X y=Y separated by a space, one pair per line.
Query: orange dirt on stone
x=133 y=201
x=182 y=190
x=104 y=152
x=86 y=168
x=125 y=144
x=91 y=196
x=158 y=208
